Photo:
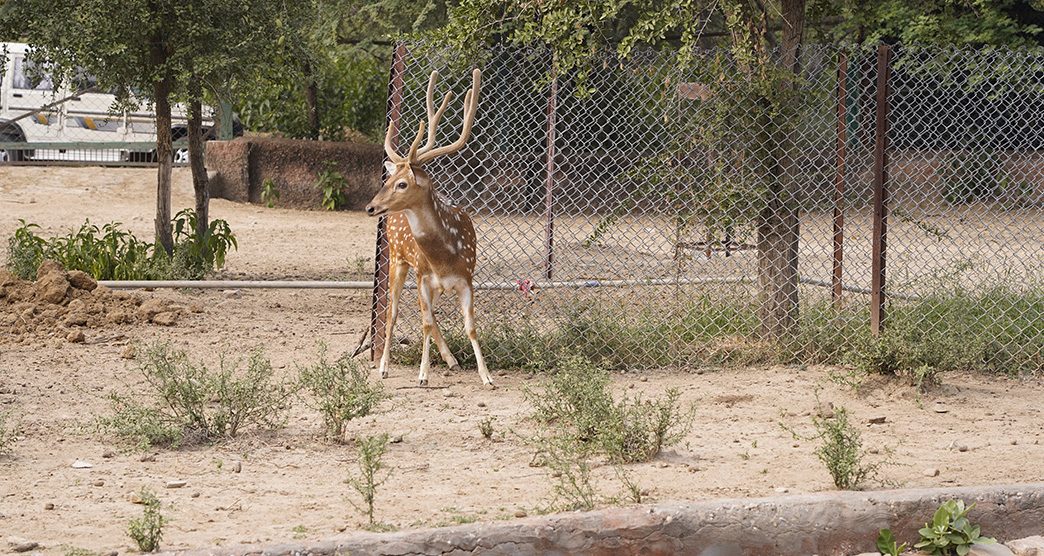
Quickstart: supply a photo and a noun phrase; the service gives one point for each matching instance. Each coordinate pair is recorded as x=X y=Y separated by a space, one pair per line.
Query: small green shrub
x=332 y=184
x=372 y=474
x=193 y=403
x=25 y=250
x=486 y=428
x=194 y=257
x=112 y=253
x=269 y=192
x=568 y=465
x=841 y=450
x=141 y=427
x=950 y=531
x=341 y=391
x=887 y=545
x=640 y=429
x=576 y=400
x=147 y=531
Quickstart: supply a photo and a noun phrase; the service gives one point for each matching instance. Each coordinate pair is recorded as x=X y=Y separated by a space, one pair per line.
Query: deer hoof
x=455 y=369
x=423 y=382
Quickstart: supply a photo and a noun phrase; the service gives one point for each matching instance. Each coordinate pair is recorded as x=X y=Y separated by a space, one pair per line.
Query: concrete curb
x=824 y=523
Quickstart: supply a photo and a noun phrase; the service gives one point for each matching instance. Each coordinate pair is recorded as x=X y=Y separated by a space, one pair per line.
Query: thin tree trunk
x=164 y=148
x=196 y=161
x=312 y=102
x=778 y=224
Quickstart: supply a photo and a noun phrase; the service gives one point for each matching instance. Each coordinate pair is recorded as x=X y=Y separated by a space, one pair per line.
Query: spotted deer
x=435 y=239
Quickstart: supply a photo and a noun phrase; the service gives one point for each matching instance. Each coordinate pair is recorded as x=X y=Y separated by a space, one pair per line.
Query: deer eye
x=401 y=185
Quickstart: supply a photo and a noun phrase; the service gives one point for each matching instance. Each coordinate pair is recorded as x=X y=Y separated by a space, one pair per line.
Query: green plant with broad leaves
x=269 y=192
x=331 y=183
x=950 y=531
x=887 y=545
x=195 y=256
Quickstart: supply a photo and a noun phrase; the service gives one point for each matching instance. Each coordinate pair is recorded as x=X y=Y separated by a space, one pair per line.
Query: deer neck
x=430 y=223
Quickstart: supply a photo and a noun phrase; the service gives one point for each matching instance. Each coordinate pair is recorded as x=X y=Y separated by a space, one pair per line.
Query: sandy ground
x=291 y=483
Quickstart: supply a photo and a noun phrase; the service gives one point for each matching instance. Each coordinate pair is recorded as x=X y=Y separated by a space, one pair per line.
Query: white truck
x=76 y=123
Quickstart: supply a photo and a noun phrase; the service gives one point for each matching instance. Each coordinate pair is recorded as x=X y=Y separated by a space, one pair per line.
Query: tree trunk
x=312 y=102
x=164 y=149
x=778 y=224
x=196 y=161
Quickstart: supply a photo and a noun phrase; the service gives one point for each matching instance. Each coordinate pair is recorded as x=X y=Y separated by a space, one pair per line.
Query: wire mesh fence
x=647 y=213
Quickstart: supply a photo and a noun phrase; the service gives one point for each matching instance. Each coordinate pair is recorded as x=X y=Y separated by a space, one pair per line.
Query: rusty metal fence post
x=839 y=179
x=879 y=240
x=549 y=180
x=379 y=303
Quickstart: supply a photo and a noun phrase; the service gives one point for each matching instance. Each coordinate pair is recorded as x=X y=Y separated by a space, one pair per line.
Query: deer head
x=407 y=184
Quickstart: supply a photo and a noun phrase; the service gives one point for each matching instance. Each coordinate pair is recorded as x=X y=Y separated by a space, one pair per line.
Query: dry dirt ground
x=291 y=483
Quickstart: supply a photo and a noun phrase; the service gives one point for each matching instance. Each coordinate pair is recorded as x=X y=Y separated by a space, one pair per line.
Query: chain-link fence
x=77 y=122
x=647 y=213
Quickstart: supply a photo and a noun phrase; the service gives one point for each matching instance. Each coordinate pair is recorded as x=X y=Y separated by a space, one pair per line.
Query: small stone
x=644 y=379
x=481 y=404
x=21 y=545
x=342 y=528
x=1014 y=442
x=48 y=506
x=231 y=293
x=195 y=494
x=991 y=549
x=81 y=280
x=782 y=490
x=237 y=467
x=1029 y=546
x=166 y=318
x=127 y=352
x=521 y=513
x=449 y=394
x=147 y=457
x=75 y=337
x=397 y=439
x=152 y=307
x=136 y=499
x=940 y=408
x=98 y=483
x=175 y=484
x=962 y=448
x=878 y=420
x=931 y=472
x=825 y=411
x=75 y=319
x=108 y=454
x=195 y=308
x=80 y=464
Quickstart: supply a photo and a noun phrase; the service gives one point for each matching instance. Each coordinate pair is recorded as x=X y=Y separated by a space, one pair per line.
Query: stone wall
x=830 y=523
x=240 y=167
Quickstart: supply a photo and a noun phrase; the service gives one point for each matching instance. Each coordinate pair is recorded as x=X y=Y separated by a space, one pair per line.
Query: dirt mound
x=61 y=304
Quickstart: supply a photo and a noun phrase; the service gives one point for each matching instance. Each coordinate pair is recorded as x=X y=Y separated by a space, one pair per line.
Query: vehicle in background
x=32 y=110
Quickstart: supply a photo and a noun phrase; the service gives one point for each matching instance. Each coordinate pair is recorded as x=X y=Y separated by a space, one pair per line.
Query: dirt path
x=291 y=481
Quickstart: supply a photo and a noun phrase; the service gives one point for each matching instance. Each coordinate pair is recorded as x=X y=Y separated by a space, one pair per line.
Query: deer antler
x=429 y=151
x=433 y=116
x=417 y=154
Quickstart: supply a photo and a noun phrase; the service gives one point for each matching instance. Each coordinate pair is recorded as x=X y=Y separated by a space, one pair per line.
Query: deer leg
x=396 y=280
x=436 y=335
x=440 y=341
x=467 y=307
x=425 y=298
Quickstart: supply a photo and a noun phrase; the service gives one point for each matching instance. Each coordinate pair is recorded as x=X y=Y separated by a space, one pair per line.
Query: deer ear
x=389 y=167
